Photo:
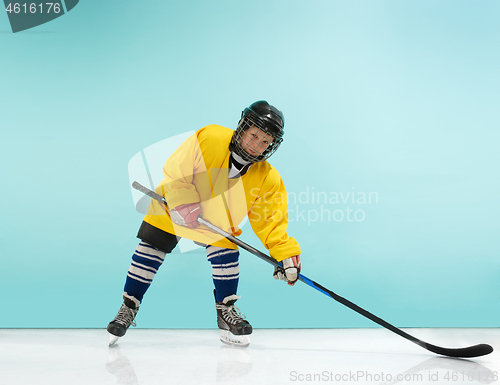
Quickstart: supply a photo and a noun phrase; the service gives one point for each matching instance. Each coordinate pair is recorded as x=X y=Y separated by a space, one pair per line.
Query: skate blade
x=112 y=339
x=229 y=338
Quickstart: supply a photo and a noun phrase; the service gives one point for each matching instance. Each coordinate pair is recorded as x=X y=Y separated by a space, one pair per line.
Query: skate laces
x=231 y=313
x=126 y=316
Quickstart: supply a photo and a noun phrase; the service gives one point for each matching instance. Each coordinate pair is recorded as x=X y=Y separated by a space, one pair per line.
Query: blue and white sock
x=225 y=271
x=145 y=264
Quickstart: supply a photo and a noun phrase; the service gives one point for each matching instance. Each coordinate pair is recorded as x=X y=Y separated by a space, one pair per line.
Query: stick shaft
x=273 y=262
x=471 y=351
x=240 y=243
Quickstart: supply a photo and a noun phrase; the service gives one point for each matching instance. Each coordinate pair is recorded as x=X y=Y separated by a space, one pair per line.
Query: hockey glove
x=290 y=270
x=186 y=215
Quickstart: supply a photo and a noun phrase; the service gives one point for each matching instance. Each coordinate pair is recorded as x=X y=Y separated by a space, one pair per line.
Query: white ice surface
x=299 y=356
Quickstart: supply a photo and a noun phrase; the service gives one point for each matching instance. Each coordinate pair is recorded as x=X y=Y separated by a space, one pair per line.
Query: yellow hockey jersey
x=198 y=172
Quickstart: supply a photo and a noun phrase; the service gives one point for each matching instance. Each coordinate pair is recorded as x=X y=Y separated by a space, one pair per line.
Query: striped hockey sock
x=145 y=263
x=225 y=271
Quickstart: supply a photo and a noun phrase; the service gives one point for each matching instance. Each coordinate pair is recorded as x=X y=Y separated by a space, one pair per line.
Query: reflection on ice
x=233 y=365
x=447 y=370
x=76 y=357
x=120 y=367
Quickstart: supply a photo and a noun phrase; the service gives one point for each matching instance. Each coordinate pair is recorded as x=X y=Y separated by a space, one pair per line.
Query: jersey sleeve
x=269 y=218
x=177 y=187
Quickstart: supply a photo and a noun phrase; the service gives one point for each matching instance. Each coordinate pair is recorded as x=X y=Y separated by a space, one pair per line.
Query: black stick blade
x=469 y=352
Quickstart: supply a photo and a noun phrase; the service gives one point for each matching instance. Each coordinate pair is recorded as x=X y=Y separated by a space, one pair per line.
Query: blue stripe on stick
x=309 y=282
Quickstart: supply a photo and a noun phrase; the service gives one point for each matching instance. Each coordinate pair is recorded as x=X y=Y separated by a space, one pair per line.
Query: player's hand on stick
x=186 y=215
x=290 y=270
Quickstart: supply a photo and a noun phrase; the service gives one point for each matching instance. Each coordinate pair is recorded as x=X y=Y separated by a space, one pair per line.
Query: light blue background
x=395 y=97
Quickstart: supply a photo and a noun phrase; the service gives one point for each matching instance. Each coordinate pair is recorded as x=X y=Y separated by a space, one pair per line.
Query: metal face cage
x=247 y=121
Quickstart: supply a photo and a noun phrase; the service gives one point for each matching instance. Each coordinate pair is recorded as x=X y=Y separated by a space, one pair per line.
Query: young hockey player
x=223 y=176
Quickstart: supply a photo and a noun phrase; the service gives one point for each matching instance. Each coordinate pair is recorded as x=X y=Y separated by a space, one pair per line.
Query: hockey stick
x=468 y=352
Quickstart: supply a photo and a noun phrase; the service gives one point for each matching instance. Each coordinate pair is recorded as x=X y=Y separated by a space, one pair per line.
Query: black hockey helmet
x=265 y=117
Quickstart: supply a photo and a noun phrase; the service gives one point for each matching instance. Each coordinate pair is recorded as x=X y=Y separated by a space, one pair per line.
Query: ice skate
x=123 y=320
x=234 y=329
